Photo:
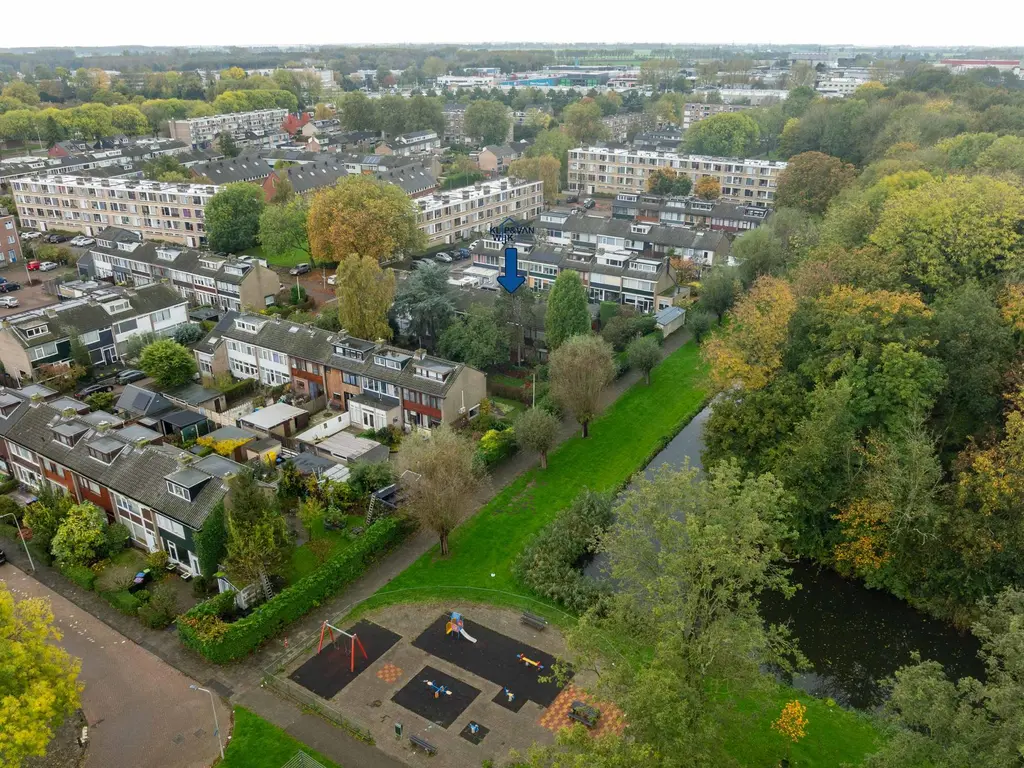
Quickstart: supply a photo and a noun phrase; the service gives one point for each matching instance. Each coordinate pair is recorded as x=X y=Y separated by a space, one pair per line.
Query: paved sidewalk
x=240 y=682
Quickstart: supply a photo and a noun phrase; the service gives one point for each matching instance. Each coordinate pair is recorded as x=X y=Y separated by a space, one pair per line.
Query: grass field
x=304 y=562
x=622 y=442
x=255 y=743
x=289 y=259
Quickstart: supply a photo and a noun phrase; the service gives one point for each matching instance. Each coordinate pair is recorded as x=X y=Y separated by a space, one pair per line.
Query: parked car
x=33 y=265
x=56 y=238
x=30 y=235
x=332 y=279
x=46 y=266
x=9 y=286
x=299 y=269
x=589 y=203
x=443 y=257
x=464 y=253
x=3 y=280
x=8 y=301
x=572 y=198
x=81 y=241
x=92 y=389
x=128 y=375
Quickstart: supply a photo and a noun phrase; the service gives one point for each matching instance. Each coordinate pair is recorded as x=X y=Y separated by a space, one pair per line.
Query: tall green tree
x=488 y=121
x=567 y=311
x=233 y=217
x=168 y=362
x=365 y=294
x=425 y=298
x=580 y=369
x=46 y=513
x=478 y=339
x=811 y=180
x=257 y=537
x=727 y=134
x=283 y=228
x=557 y=143
x=582 y=122
x=359 y=112
x=537 y=430
x=79 y=540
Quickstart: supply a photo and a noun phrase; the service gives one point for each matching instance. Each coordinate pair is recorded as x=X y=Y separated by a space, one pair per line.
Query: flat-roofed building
x=448 y=217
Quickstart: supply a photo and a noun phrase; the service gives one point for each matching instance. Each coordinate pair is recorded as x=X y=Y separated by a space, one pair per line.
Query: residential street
x=140 y=710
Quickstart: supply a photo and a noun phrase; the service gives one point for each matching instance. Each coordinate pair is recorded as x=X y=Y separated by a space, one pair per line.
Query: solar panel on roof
x=141 y=401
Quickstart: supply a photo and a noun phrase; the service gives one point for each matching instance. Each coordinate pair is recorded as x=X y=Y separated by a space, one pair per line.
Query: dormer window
x=379 y=360
x=176 y=490
x=208 y=264
x=104 y=456
x=116 y=307
x=104 y=243
x=246 y=325
x=7 y=410
x=167 y=254
x=68 y=434
x=36 y=330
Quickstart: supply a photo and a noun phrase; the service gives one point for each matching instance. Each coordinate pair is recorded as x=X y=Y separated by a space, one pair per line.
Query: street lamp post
x=216 y=725
x=22 y=537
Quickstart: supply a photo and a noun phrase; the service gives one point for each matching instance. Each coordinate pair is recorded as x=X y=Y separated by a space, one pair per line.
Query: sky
x=261 y=22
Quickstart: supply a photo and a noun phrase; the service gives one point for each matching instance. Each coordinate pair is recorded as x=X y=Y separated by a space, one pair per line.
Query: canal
x=852 y=636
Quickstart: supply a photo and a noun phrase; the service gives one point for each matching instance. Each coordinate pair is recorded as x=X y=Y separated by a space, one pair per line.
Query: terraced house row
x=161 y=494
x=377 y=384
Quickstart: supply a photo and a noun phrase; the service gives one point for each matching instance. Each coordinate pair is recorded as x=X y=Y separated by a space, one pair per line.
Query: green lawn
x=289 y=259
x=304 y=562
x=255 y=743
x=620 y=443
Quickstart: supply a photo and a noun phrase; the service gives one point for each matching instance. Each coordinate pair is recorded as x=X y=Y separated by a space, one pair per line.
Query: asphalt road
x=140 y=710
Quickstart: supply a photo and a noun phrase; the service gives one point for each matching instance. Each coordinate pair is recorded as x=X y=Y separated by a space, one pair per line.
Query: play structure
x=529 y=662
x=438 y=689
x=328 y=629
x=454 y=627
x=511 y=696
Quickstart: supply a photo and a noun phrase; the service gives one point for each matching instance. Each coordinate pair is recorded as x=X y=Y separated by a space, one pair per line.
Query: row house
x=155 y=210
x=635 y=279
x=496 y=159
x=202 y=131
x=163 y=496
x=103 y=321
x=598 y=233
x=10 y=242
x=377 y=384
x=606 y=170
x=620 y=125
x=689 y=212
x=448 y=217
x=408 y=144
x=201 y=277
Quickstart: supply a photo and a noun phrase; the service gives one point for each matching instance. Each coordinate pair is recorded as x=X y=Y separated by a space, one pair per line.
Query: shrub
x=161 y=609
x=157 y=561
x=365 y=477
x=699 y=321
x=509 y=392
x=9 y=506
x=497 y=444
x=124 y=601
x=549 y=404
x=81 y=575
x=189 y=333
x=10 y=484
x=203 y=630
x=116 y=538
x=100 y=401
x=548 y=564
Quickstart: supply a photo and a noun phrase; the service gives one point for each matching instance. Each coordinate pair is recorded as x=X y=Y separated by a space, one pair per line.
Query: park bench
x=423 y=744
x=535 y=621
x=584 y=713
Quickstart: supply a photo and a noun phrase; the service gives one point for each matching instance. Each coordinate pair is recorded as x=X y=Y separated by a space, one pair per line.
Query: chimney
x=67 y=413
x=419 y=354
x=103 y=426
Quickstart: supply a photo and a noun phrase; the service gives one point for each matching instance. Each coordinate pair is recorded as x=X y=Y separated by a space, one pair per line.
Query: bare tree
x=579 y=369
x=444 y=491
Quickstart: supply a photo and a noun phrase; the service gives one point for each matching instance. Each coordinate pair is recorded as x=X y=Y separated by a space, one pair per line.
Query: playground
x=460 y=681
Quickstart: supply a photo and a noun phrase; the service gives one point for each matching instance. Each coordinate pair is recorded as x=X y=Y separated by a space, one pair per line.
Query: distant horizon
x=871 y=24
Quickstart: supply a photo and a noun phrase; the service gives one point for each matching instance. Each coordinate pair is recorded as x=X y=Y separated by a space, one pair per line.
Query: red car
x=33 y=265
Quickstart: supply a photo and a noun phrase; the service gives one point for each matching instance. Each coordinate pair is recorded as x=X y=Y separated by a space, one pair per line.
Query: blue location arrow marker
x=511 y=280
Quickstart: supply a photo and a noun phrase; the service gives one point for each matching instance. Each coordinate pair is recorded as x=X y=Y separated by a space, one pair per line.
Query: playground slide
x=466 y=635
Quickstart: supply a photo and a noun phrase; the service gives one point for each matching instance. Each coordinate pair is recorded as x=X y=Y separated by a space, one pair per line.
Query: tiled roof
x=185 y=259
x=136 y=472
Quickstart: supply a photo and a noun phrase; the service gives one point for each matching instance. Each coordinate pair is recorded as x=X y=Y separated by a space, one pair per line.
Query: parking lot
x=31 y=295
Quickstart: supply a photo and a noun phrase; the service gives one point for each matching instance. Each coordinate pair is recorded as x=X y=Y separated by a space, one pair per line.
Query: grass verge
x=288 y=259
x=255 y=743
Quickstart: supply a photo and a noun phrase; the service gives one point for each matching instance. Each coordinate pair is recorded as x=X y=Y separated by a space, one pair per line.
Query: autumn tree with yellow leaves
x=38 y=680
x=361 y=214
x=791 y=723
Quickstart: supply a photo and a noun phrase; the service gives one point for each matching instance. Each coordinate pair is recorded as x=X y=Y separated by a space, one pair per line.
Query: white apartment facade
x=202 y=131
x=602 y=170
x=694 y=112
x=153 y=209
x=448 y=217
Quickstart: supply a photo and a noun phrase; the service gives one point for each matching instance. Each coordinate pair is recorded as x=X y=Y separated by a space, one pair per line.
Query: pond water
x=852 y=636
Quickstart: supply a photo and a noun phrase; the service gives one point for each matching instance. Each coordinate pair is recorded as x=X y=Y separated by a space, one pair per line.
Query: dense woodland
x=872 y=361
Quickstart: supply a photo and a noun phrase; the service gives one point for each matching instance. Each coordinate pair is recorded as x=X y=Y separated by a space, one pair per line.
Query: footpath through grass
x=255 y=743
x=621 y=442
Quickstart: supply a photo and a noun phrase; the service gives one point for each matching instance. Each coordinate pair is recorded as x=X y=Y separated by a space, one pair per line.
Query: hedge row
x=203 y=630
x=81 y=575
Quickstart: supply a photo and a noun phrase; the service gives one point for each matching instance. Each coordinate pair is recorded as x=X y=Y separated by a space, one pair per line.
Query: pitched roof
x=136 y=401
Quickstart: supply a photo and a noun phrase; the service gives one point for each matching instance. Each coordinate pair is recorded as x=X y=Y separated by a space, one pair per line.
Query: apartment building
x=200 y=277
x=455 y=125
x=448 y=217
x=104 y=321
x=10 y=242
x=156 y=210
x=495 y=159
x=694 y=112
x=606 y=170
x=126 y=160
x=201 y=132
x=689 y=212
x=377 y=384
x=620 y=125
x=162 y=496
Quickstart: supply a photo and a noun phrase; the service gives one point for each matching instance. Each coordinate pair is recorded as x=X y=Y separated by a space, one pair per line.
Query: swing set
x=328 y=630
